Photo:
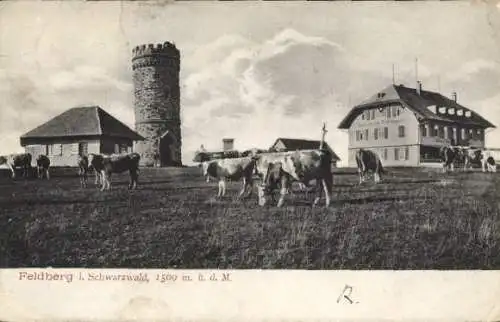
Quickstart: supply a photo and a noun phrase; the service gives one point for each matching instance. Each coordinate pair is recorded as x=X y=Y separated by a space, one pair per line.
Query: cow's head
x=294 y=167
x=273 y=177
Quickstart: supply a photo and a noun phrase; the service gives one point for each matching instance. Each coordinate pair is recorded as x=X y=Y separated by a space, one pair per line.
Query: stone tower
x=157 y=103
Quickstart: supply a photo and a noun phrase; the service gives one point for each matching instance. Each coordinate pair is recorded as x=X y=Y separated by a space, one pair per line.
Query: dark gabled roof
x=301 y=144
x=83 y=121
x=418 y=103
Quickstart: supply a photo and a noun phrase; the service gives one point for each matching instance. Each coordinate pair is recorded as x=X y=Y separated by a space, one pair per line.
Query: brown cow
x=42 y=166
x=83 y=170
x=230 y=169
x=369 y=161
x=281 y=169
x=107 y=165
x=20 y=160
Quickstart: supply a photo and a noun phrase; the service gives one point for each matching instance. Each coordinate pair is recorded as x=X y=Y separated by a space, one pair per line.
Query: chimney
x=227 y=144
x=419 y=87
x=454 y=96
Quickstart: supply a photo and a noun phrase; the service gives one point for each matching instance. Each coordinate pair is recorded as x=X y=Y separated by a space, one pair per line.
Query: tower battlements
x=166 y=48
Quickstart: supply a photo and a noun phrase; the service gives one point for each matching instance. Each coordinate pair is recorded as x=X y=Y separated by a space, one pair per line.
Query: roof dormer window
x=460 y=112
x=468 y=114
x=432 y=108
x=451 y=111
x=442 y=110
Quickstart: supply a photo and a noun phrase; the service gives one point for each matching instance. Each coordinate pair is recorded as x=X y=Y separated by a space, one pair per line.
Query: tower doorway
x=167 y=145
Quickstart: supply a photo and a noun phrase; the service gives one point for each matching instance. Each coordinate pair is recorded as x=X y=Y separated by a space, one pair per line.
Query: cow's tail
x=381 y=167
x=360 y=163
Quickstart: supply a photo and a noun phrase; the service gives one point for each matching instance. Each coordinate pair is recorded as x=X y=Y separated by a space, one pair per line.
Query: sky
x=252 y=71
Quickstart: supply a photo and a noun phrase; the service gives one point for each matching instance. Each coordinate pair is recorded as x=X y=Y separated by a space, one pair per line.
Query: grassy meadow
x=414 y=219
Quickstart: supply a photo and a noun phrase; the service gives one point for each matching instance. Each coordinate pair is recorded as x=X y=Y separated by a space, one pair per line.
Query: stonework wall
x=61 y=153
x=157 y=99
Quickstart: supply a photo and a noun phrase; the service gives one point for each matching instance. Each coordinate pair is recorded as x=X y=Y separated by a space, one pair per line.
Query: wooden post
x=323 y=133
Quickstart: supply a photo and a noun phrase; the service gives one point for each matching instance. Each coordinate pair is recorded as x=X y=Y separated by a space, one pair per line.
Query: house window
x=83 y=148
x=361 y=135
x=373 y=114
x=47 y=149
x=386 y=132
x=401 y=131
x=462 y=134
x=436 y=130
x=385 y=154
x=366 y=134
x=357 y=135
x=375 y=134
x=396 y=154
x=55 y=149
x=407 y=153
x=388 y=112
x=398 y=111
x=395 y=111
x=363 y=115
x=123 y=148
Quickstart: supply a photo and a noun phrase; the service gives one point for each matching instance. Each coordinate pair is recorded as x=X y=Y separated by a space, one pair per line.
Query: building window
x=386 y=132
x=83 y=148
x=436 y=130
x=396 y=154
x=373 y=114
x=363 y=115
x=375 y=134
x=55 y=149
x=398 y=111
x=395 y=111
x=407 y=153
x=357 y=135
x=401 y=131
x=462 y=134
x=366 y=134
x=423 y=130
x=388 y=112
x=361 y=135
x=385 y=154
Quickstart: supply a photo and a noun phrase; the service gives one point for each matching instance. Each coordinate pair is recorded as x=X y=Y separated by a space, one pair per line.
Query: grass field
x=412 y=220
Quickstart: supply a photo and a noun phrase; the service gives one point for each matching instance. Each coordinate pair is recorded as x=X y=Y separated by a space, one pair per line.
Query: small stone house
x=79 y=130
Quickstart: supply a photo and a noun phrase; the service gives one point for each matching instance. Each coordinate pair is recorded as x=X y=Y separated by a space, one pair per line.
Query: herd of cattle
x=275 y=170
x=102 y=165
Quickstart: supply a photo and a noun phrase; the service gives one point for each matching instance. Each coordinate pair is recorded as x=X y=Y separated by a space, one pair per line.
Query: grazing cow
x=42 y=166
x=448 y=156
x=230 y=169
x=281 y=169
x=489 y=165
x=13 y=161
x=107 y=165
x=369 y=161
x=83 y=169
x=470 y=156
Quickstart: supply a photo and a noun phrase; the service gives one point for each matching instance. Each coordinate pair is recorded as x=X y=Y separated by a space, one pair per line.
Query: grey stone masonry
x=157 y=100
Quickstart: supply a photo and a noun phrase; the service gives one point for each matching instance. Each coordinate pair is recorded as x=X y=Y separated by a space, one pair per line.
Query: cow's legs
x=12 y=170
x=452 y=167
x=133 y=179
x=376 y=176
x=47 y=174
x=328 y=187
x=105 y=180
x=317 y=189
x=283 y=192
x=360 y=176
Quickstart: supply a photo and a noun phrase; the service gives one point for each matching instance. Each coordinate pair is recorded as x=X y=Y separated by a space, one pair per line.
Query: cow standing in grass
x=42 y=166
x=107 y=165
x=448 y=156
x=489 y=165
x=281 y=169
x=234 y=169
x=20 y=160
x=83 y=170
x=369 y=161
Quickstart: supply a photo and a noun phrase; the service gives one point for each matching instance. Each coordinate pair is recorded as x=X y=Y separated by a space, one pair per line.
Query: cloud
x=258 y=90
